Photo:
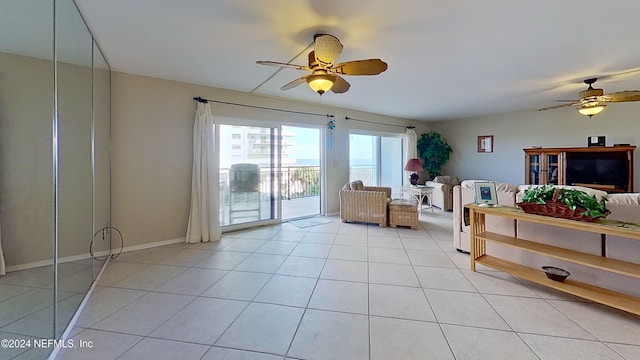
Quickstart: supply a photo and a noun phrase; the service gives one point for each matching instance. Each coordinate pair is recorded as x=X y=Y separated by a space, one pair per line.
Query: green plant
x=538 y=194
x=434 y=152
x=579 y=199
x=571 y=197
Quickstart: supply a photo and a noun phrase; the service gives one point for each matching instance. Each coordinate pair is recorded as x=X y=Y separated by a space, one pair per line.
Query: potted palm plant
x=434 y=152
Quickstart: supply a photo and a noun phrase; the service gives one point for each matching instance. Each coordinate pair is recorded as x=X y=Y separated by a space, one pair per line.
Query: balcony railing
x=299 y=182
x=364 y=173
x=296 y=182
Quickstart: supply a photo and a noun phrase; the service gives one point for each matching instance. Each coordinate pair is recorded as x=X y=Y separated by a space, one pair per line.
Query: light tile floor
x=337 y=291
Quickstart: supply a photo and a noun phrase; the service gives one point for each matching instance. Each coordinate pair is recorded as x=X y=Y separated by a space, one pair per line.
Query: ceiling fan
x=325 y=74
x=592 y=101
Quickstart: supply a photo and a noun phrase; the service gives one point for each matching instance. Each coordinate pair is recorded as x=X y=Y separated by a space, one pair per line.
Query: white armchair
x=442 y=194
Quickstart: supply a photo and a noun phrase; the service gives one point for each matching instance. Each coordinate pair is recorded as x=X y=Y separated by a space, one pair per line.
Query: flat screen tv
x=602 y=169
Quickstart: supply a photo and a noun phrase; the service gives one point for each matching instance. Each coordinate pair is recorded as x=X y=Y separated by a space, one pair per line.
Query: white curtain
x=410 y=147
x=204 y=221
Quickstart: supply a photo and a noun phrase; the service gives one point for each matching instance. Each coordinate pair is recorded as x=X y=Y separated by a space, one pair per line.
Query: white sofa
x=464 y=194
x=442 y=193
x=623 y=207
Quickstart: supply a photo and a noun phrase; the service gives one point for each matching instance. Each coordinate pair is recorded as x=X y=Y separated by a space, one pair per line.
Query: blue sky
x=307 y=143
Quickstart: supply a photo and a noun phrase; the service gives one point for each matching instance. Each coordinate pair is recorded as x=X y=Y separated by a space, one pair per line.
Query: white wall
x=152 y=125
x=512 y=132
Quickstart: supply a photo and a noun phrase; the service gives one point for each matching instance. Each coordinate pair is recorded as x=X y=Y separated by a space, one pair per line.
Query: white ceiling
x=447 y=59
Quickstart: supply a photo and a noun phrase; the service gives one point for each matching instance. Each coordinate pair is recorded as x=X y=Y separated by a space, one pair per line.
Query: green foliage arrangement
x=434 y=152
x=538 y=194
x=573 y=198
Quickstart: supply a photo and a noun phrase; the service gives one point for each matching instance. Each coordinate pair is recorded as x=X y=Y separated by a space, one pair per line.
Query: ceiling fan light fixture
x=590 y=93
x=592 y=101
x=321 y=82
x=590 y=110
x=325 y=72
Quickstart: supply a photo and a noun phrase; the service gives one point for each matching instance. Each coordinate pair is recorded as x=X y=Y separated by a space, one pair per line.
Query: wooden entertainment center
x=480 y=237
x=608 y=168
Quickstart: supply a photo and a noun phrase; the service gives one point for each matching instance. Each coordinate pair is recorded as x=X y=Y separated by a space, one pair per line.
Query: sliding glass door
x=268 y=174
x=300 y=174
x=376 y=159
x=248 y=174
x=391 y=167
x=364 y=159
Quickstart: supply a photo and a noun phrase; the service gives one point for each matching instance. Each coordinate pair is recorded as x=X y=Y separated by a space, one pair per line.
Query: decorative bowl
x=555 y=273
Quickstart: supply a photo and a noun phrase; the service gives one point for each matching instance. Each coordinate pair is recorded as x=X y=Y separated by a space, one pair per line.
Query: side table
x=418 y=193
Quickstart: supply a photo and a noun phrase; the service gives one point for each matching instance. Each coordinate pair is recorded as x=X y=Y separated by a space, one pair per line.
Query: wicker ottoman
x=403 y=213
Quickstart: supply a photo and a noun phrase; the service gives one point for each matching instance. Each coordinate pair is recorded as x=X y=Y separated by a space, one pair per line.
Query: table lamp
x=415 y=166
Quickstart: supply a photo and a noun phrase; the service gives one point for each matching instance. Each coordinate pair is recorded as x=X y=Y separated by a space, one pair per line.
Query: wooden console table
x=478 y=254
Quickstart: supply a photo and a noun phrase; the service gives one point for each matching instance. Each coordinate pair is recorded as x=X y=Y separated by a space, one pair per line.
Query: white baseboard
x=152 y=244
x=66 y=259
x=30 y=265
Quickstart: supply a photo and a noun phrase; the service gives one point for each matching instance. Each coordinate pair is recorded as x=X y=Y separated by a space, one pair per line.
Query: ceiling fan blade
x=340 y=85
x=622 y=96
x=292 y=66
x=361 y=67
x=559 y=106
x=294 y=83
x=327 y=49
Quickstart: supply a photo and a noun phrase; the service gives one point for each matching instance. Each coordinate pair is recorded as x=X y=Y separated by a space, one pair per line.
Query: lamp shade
x=414 y=165
x=589 y=111
x=321 y=82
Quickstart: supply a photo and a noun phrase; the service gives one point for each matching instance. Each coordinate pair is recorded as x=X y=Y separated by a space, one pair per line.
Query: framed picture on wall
x=485 y=193
x=485 y=143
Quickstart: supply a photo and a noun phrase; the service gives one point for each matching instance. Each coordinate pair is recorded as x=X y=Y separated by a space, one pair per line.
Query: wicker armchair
x=365 y=203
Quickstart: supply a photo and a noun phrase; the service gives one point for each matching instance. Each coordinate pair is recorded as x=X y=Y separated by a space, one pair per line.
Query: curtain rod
x=204 y=101
x=379 y=123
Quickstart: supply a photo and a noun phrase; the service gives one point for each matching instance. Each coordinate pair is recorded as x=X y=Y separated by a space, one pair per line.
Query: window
x=376 y=159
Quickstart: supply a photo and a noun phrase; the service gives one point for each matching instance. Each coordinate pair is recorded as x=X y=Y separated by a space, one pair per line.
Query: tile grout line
x=304 y=312
x=369 y=283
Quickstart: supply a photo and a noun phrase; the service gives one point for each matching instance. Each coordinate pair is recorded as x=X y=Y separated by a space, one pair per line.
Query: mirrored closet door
x=54 y=168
